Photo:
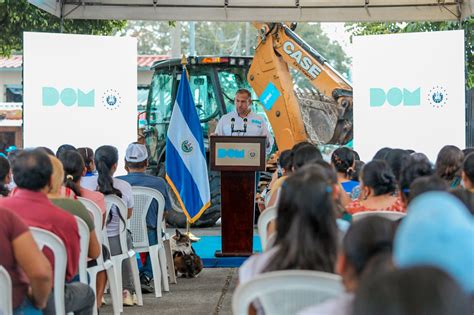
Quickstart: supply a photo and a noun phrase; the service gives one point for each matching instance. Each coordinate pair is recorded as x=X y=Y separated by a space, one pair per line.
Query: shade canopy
x=261 y=10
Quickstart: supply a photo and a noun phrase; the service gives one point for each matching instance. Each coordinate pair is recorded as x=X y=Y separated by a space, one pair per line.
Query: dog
x=187 y=263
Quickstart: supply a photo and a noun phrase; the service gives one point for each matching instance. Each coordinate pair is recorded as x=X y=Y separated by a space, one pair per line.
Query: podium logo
x=394 y=97
x=68 y=97
x=230 y=154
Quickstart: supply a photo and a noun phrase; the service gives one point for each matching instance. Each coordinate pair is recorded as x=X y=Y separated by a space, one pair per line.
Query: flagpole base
x=219 y=253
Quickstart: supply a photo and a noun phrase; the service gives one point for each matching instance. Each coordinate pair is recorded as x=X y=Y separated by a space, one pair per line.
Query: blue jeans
x=26 y=308
x=153 y=240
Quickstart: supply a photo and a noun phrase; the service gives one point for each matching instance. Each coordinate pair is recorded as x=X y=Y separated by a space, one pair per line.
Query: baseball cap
x=136 y=153
x=438 y=231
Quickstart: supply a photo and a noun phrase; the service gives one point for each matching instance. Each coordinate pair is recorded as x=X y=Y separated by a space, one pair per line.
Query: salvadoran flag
x=186 y=167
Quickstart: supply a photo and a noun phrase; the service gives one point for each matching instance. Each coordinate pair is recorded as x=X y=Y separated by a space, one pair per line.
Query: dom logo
x=303 y=61
x=394 y=97
x=230 y=154
x=437 y=97
x=252 y=154
x=111 y=99
x=68 y=97
x=187 y=146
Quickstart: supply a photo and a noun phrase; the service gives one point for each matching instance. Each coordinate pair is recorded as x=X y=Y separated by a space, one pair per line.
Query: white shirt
x=127 y=197
x=341 y=305
x=256 y=126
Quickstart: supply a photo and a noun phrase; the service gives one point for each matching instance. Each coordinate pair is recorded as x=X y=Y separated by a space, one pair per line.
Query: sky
x=336 y=31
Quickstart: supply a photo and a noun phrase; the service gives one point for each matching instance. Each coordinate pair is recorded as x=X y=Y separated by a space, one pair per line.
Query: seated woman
x=306 y=223
x=301 y=154
x=106 y=161
x=449 y=163
x=74 y=170
x=5 y=177
x=19 y=256
x=90 y=177
x=343 y=160
x=411 y=291
x=378 y=190
x=366 y=249
x=72 y=206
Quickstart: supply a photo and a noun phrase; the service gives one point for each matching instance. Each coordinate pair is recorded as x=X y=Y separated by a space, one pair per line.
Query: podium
x=237 y=158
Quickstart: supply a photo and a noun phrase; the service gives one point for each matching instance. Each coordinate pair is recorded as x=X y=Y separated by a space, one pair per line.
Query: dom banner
x=409 y=92
x=80 y=90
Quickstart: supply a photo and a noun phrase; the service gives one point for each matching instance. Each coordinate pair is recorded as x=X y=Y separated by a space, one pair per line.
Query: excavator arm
x=278 y=48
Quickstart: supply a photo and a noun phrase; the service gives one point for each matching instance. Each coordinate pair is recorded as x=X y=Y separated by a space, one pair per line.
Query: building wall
x=8 y=77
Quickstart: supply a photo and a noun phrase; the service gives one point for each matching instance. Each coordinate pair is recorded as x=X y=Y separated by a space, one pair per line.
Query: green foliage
x=313 y=34
x=390 y=28
x=18 y=16
x=224 y=38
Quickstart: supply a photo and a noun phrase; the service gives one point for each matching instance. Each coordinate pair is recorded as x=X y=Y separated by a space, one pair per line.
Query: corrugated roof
x=143 y=61
x=12 y=62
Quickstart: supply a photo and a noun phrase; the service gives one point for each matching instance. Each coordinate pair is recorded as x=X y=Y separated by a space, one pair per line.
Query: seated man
x=20 y=256
x=33 y=170
x=136 y=161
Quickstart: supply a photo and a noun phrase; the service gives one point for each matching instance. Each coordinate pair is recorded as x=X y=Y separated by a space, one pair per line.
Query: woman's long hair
x=73 y=167
x=4 y=171
x=306 y=223
x=105 y=158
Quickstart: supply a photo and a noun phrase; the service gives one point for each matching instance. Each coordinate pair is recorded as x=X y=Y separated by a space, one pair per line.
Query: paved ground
x=209 y=293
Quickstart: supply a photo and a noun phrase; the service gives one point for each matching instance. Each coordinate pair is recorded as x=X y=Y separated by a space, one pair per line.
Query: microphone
x=245 y=125
x=232 y=121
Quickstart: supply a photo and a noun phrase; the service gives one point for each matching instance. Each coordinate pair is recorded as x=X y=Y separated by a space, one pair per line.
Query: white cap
x=136 y=153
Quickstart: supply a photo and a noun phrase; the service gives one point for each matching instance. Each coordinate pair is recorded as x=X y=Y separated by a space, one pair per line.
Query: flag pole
x=191 y=236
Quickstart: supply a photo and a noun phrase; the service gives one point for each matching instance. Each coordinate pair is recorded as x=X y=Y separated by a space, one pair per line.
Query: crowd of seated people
x=387 y=267
x=40 y=189
x=420 y=263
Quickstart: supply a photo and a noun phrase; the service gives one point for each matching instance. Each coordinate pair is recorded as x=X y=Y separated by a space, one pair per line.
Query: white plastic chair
x=45 y=238
x=106 y=265
x=117 y=260
x=84 y=246
x=143 y=197
x=6 y=302
x=391 y=215
x=287 y=291
x=264 y=219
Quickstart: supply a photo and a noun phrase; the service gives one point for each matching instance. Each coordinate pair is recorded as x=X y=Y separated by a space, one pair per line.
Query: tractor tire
x=176 y=217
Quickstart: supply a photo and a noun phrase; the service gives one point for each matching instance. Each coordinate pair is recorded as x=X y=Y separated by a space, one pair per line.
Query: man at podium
x=243 y=122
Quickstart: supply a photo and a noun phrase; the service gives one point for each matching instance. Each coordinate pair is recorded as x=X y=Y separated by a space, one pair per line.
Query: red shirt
x=355 y=207
x=36 y=210
x=11 y=227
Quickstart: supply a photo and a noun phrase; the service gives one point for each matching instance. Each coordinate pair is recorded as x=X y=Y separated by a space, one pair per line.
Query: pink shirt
x=95 y=196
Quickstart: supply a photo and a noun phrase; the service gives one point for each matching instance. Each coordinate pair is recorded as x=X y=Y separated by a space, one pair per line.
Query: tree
x=18 y=16
x=313 y=34
x=224 y=38
x=154 y=38
x=390 y=28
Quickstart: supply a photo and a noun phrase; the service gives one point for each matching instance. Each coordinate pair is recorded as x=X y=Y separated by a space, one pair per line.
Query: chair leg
x=164 y=272
x=136 y=279
x=114 y=290
x=155 y=266
x=169 y=261
x=118 y=261
x=93 y=285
